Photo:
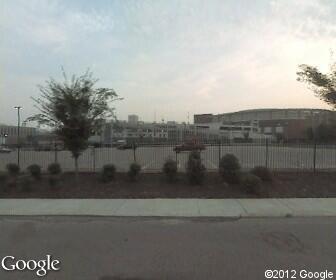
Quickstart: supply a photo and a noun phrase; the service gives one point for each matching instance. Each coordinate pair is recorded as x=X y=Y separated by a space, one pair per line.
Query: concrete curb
x=230 y=208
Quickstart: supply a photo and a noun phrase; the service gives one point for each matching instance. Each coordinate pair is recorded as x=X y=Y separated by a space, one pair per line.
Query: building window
x=267 y=129
x=279 y=129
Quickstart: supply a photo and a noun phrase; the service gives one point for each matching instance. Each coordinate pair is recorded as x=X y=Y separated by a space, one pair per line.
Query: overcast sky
x=168 y=57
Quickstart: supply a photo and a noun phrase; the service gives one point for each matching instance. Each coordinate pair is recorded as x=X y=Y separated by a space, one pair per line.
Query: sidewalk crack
x=242 y=206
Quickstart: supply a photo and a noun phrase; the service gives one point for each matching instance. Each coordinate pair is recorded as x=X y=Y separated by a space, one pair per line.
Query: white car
x=5 y=150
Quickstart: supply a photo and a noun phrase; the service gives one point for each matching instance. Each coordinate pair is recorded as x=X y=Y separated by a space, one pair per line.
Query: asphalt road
x=143 y=248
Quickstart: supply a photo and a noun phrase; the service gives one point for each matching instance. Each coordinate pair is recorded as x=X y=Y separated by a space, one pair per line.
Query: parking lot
x=152 y=158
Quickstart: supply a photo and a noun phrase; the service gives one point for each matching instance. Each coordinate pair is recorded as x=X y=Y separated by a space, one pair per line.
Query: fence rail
x=312 y=157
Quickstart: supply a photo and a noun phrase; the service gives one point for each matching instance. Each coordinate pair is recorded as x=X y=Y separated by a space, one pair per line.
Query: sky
x=165 y=57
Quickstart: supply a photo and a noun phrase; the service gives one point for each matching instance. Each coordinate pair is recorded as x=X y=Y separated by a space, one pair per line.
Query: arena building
x=9 y=134
x=287 y=124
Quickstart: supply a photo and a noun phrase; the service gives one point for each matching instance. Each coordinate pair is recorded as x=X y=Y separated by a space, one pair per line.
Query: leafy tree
x=323 y=85
x=74 y=109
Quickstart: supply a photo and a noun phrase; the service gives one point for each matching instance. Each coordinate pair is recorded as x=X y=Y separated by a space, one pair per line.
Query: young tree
x=74 y=109
x=324 y=85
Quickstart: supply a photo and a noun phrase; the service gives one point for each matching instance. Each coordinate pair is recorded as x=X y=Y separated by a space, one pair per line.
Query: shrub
x=229 y=168
x=26 y=183
x=263 y=173
x=251 y=183
x=35 y=171
x=195 y=155
x=13 y=169
x=170 y=170
x=134 y=171
x=108 y=173
x=54 y=168
x=53 y=180
x=11 y=182
x=3 y=178
x=195 y=168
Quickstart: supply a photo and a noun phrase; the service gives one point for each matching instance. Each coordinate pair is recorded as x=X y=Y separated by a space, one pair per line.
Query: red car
x=189 y=147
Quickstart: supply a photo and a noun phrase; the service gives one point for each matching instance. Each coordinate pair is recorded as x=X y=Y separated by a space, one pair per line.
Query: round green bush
x=13 y=169
x=53 y=180
x=11 y=182
x=35 y=171
x=26 y=183
x=3 y=178
x=195 y=155
x=263 y=173
x=170 y=170
x=195 y=169
x=251 y=183
x=54 y=168
x=134 y=171
x=229 y=168
x=229 y=162
x=108 y=173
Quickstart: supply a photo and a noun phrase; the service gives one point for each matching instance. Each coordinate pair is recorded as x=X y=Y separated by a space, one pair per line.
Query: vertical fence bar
x=94 y=158
x=266 y=159
x=314 y=158
x=134 y=154
x=18 y=155
x=56 y=156
x=219 y=152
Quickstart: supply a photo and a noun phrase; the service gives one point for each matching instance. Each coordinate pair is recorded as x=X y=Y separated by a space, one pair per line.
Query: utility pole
x=18 y=133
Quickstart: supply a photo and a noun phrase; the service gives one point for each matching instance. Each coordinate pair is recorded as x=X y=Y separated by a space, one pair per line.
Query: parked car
x=48 y=148
x=126 y=146
x=189 y=146
x=118 y=143
x=5 y=150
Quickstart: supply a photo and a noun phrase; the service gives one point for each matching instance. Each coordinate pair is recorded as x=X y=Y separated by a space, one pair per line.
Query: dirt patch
x=284 y=185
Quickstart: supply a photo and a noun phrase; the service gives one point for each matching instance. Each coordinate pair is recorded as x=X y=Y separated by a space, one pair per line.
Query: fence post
x=94 y=158
x=18 y=155
x=266 y=159
x=134 y=155
x=314 y=158
x=219 y=152
x=56 y=158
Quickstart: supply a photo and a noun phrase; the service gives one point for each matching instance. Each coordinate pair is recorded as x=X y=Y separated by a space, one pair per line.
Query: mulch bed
x=284 y=185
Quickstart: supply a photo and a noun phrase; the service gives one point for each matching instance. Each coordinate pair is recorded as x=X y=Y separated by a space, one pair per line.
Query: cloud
x=200 y=56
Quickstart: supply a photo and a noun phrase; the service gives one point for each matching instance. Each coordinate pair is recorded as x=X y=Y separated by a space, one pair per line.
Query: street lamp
x=18 y=133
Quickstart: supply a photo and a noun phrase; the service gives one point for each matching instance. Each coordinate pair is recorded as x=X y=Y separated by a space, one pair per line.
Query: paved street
x=108 y=248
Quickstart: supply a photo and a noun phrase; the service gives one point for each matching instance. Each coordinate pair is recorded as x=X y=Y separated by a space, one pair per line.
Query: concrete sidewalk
x=234 y=208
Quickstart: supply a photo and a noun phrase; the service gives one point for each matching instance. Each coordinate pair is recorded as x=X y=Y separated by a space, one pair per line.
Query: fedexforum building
x=9 y=133
x=288 y=124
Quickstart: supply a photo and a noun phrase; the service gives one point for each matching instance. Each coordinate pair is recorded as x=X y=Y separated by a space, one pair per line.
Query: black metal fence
x=299 y=156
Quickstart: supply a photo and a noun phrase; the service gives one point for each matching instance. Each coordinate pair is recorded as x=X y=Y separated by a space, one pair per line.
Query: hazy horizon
x=168 y=57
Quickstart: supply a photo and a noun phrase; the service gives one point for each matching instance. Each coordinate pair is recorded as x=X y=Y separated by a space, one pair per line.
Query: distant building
x=287 y=124
x=203 y=118
x=9 y=134
x=146 y=132
x=133 y=119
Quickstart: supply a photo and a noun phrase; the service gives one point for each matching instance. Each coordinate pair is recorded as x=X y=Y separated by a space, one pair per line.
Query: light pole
x=18 y=133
